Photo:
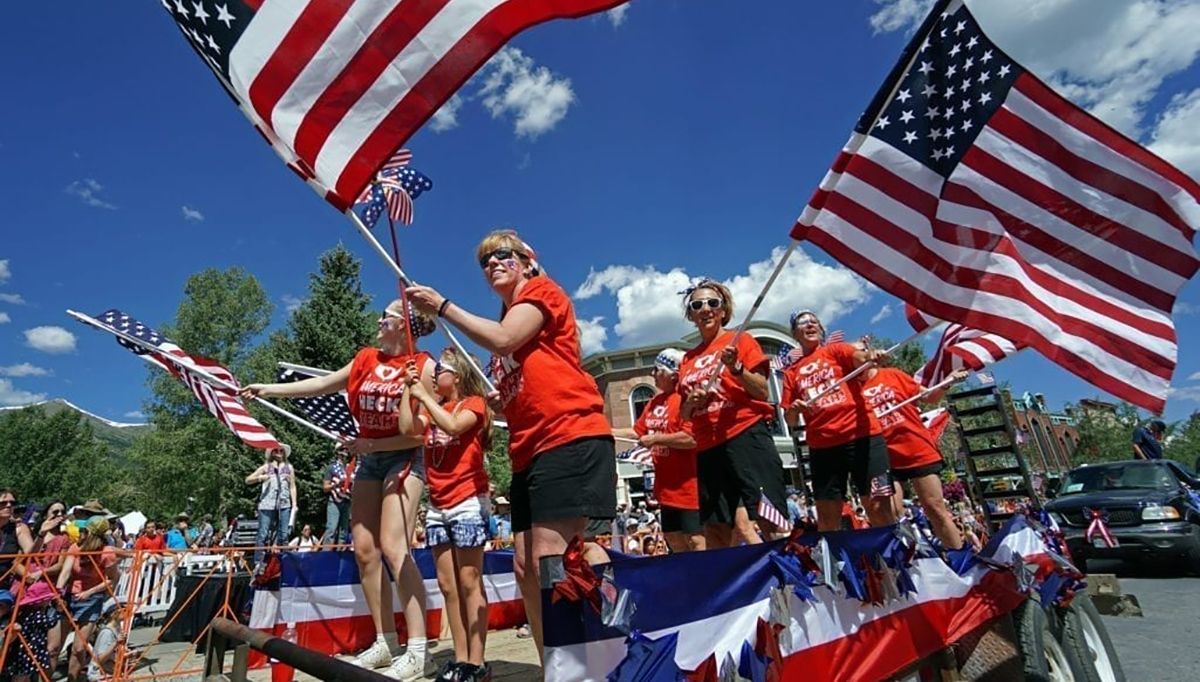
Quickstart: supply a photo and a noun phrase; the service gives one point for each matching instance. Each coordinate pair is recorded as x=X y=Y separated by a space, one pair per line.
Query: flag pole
x=754 y=308
x=93 y=322
x=919 y=396
x=366 y=233
x=867 y=365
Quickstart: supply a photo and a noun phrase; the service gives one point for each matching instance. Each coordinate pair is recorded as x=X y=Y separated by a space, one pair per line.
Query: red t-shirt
x=374 y=388
x=909 y=443
x=88 y=570
x=674 y=469
x=838 y=417
x=548 y=399
x=454 y=465
x=731 y=410
x=151 y=544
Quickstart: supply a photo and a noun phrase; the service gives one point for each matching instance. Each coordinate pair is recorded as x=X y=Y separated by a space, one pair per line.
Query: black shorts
x=675 y=520
x=572 y=480
x=864 y=460
x=739 y=472
x=917 y=472
x=597 y=527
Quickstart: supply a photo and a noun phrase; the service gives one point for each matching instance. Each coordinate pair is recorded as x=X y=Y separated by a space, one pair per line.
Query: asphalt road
x=1162 y=645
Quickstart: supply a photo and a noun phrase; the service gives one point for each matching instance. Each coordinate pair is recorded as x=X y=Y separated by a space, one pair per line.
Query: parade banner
x=320 y=593
x=701 y=614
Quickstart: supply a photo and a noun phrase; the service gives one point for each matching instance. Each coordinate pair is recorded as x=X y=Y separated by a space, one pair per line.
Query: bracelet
x=442 y=308
x=737 y=369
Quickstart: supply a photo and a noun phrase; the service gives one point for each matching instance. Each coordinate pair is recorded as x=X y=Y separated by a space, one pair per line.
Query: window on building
x=638 y=398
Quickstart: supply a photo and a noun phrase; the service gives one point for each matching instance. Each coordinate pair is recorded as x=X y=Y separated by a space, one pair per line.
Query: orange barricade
x=147 y=590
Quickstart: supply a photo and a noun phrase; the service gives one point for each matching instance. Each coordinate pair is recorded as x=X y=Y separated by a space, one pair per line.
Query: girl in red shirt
x=388 y=480
x=457 y=425
x=561 y=445
x=662 y=429
x=913 y=454
x=737 y=464
x=843 y=436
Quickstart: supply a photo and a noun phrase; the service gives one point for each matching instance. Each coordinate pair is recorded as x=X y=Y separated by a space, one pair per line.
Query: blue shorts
x=87 y=610
x=464 y=525
x=381 y=466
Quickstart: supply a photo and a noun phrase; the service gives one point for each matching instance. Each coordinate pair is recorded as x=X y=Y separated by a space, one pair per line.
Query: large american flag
x=336 y=86
x=330 y=412
x=959 y=348
x=219 y=401
x=638 y=455
x=973 y=191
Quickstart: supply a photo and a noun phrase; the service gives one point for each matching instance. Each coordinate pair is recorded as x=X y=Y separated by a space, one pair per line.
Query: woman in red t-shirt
x=737 y=465
x=561 y=446
x=457 y=425
x=388 y=479
x=913 y=454
x=842 y=434
x=662 y=429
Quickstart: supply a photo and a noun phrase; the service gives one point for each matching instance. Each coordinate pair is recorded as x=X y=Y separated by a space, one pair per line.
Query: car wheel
x=1086 y=643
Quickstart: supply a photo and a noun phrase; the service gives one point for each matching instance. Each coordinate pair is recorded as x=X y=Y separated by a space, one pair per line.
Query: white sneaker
x=378 y=655
x=408 y=667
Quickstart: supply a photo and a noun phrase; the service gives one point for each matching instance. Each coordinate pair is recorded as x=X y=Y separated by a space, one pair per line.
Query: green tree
x=330 y=326
x=497 y=462
x=1183 y=441
x=47 y=457
x=190 y=454
x=1104 y=436
x=910 y=357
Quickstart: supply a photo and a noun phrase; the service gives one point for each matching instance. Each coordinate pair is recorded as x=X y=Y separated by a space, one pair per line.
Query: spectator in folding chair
x=91 y=573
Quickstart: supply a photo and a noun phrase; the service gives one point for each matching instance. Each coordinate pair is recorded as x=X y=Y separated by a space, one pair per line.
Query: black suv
x=1148 y=511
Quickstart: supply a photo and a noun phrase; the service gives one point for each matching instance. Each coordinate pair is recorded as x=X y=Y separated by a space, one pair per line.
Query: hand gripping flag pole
x=366 y=233
x=92 y=322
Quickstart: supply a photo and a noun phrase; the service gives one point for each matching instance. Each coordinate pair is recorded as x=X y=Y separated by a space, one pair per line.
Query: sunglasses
x=501 y=254
x=698 y=304
x=439 y=369
x=7 y=503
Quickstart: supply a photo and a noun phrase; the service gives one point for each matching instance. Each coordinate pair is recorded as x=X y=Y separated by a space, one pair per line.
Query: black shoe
x=475 y=673
x=451 y=672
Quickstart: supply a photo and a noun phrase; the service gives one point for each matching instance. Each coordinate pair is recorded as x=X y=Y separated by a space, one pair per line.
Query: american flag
x=220 y=402
x=330 y=412
x=936 y=421
x=771 y=513
x=637 y=455
x=973 y=191
x=393 y=191
x=336 y=86
x=959 y=348
x=788 y=355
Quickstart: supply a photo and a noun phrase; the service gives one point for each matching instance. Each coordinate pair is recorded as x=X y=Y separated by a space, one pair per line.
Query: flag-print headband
x=669 y=359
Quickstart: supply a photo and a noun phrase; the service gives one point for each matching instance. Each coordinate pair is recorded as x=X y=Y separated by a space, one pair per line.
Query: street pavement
x=1161 y=645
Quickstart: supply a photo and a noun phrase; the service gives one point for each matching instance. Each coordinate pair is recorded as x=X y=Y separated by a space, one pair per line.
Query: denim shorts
x=381 y=466
x=464 y=525
x=87 y=610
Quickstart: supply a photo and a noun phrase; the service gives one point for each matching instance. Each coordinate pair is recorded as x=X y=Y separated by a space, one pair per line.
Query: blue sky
x=632 y=150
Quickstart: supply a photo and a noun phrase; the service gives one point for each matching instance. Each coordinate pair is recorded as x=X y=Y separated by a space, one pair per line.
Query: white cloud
x=87 y=190
x=291 y=303
x=1110 y=56
x=649 y=307
x=11 y=395
x=592 y=335
x=1189 y=394
x=1194 y=377
x=50 y=339
x=192 y=215
x=616 y=16
x=1185 y=308
x=447 y=117
x=883 y=314
x=4 y=318
x=12 y=298
x=23 y=370
x=5 y=273
x=1176 y=137
x=514 y=85
x=135 y=414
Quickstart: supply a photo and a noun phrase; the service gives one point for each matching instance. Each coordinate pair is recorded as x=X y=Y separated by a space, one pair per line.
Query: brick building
x=626 y=381
x=1052 y=436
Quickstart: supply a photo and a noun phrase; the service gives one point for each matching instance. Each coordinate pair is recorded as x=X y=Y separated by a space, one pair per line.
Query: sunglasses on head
x=698 y=304
x=440 y=368
x=501 y=254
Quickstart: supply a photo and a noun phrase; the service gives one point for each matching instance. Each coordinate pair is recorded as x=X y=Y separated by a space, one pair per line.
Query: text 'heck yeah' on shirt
x=374 y=388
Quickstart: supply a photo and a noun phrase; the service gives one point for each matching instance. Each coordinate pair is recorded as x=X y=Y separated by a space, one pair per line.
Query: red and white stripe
x=220 y=402
x=936 y=421
x=771 y=513
x=1054 y=231
x=960 y=348
x=336 y=86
